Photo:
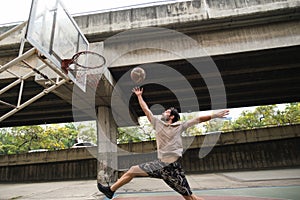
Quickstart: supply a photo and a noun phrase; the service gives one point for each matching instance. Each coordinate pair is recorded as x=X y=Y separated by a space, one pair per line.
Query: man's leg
x=174 y=176
x=134 y=171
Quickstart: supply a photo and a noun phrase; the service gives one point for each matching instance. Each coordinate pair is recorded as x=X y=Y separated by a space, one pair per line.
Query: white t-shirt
x=168 y=137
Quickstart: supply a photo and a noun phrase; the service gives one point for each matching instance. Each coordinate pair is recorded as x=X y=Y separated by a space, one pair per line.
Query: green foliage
x=25 y=138
x=214 y=125
x=291 y=114
x=264 y=116
x=59 y=137
x=144 y=132
x=129 y=134
x=87 y=132
x=54 y=137
x=194 y=130
x=8 y=149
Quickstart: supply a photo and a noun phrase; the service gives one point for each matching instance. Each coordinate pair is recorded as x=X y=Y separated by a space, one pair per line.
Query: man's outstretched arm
x=218 y=114
x=138 y=92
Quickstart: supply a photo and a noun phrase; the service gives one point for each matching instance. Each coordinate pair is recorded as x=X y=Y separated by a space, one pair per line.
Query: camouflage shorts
x=171 y=173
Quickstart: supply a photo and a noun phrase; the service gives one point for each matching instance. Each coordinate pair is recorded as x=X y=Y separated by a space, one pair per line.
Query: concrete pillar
x=107 y=148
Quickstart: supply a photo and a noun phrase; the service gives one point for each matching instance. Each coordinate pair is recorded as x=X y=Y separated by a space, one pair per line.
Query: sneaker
x=106 y=191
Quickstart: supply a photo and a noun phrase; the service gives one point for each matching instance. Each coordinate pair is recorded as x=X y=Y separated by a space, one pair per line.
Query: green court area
x=254 y=193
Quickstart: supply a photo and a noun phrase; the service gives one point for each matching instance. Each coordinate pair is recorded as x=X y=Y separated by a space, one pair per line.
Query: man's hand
x=220 y=114
x=138 y=91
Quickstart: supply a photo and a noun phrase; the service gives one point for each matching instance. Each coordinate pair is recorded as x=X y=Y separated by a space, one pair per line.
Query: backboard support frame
x=55 y=34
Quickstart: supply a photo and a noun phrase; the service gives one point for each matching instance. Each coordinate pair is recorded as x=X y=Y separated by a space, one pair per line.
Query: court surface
x=246 y=185
x=255 y=193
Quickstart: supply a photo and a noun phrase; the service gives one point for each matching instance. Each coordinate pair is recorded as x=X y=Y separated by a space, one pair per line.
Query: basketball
x=138 y=75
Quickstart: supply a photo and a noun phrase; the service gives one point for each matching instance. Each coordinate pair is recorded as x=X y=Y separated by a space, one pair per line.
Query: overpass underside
x=250 y=79
x=256 y=54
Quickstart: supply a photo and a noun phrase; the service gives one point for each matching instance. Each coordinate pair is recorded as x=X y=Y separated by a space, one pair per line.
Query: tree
x=291 y=114
x=54 y=137
x=143 y=132
x=214 y=125
x=27 y=137
x=87 y=132
x=128 y=134
x=59 y=137
x=261 y=116
x=194 y=130
x=24 y=138
x=268 y=115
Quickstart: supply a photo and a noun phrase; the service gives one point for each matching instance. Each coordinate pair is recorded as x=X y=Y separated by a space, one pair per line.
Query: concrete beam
x=186 y=17
x=177 y=15
x=156 y=45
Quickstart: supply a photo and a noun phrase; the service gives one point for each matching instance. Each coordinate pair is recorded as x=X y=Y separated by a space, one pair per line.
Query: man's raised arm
x=138 y=92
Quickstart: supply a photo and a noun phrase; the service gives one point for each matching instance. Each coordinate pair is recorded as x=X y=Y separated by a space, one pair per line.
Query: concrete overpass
x=198 y=55
x=254 y=45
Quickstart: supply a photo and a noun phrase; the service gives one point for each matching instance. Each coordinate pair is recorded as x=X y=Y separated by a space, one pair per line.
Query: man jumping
x=169 y=149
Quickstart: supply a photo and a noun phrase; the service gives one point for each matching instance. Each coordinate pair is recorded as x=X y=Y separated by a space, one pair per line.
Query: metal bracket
x=19 y=76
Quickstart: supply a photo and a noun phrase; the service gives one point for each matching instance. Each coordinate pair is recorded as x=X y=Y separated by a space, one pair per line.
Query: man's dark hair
x=175 y=113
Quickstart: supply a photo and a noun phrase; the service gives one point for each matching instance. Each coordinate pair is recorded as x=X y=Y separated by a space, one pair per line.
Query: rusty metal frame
x=61 y=78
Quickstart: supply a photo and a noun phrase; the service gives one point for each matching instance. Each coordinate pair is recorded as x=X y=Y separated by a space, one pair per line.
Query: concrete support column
x=107 y=148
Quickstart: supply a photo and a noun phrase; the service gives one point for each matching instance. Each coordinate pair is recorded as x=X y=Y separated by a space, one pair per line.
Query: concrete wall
x=276 y=147
x=69 y=164
x=52 y=171
x=282 y=153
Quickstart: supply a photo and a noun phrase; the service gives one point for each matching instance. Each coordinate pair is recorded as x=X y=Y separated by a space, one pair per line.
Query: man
x=169 y=149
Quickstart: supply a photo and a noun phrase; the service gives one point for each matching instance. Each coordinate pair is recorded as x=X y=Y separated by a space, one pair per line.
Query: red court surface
x=204 y=197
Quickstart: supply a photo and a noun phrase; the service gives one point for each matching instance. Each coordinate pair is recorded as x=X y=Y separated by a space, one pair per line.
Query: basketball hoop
x=83 y=60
